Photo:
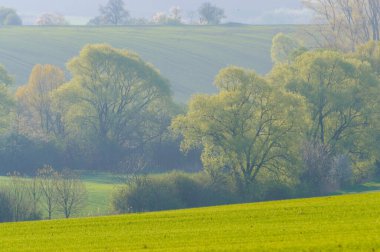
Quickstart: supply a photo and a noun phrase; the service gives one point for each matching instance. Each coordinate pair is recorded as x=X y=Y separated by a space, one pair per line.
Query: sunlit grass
x=339 y=223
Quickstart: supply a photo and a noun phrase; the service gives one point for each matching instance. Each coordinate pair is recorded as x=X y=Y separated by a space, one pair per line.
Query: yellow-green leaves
x=119 y=99
x=250 y=126
x=35 y=100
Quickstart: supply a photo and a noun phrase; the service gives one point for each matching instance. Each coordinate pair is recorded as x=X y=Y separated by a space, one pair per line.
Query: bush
x=146 y=194
x=172 y=191
x=277 y=191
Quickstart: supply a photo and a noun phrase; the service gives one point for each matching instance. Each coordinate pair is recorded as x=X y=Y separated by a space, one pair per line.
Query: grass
x=189 y=56
x=339 y=223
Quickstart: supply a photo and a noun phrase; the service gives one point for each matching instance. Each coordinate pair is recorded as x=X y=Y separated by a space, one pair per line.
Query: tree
x=113 y=13
x=51 y=19
x=6 y=101
x=344 y=24
x=285 y=49
x=36 y=102
x=210 y=14
x=251 y=127
x=71 y=193
x=19 y=197
x=120 y=100
x=9 y=17
x=47 y=181
x=342 y=93
x=34 y=193
x=5 y=79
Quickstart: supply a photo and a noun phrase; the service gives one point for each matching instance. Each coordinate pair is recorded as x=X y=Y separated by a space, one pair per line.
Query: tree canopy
x=113 y=13
x=246 y=129
x=9 y=16
x=210 y=14
x=117 y=97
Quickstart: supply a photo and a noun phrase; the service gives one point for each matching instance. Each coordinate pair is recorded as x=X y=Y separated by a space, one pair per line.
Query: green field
x=189 y=56
x=340 y=223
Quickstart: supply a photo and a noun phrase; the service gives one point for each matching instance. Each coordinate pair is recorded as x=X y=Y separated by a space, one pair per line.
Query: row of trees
x=322 y=102
x=115 y=13
x=24 y=198
x=115 y=112
x=112 y=115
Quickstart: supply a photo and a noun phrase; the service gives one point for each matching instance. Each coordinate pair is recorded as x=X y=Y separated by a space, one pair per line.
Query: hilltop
x=189 y=56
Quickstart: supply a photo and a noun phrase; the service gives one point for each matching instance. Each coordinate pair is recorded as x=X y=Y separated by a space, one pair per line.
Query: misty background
x=241 y=11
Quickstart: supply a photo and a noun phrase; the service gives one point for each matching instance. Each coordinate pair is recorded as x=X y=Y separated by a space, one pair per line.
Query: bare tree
x=113 y=13
x=35 y=193
x=71 y=193
x=210 y=14
x=343 y=24
x=47 y=181
x=18 y=196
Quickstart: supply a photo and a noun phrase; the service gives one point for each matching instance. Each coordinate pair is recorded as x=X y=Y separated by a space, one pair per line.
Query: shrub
x=146 y=194
x=172 y=191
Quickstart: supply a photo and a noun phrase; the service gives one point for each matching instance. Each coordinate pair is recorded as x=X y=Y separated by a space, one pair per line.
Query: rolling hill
x=189 y=56
x=340 y=223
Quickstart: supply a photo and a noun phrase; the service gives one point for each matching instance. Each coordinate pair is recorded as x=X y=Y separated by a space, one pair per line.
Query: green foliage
x=250 y=127
x=285 y=49
x=123 y=102
x=172 y=191
x=5 y=79
x=6 y=100
x=9 y=17
x=294 y=225
x=342 y=93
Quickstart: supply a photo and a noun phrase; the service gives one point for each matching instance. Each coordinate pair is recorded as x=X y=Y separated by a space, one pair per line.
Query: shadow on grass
x=366 y=187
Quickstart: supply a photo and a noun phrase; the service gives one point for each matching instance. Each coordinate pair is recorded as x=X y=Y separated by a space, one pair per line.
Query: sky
x=243 y=11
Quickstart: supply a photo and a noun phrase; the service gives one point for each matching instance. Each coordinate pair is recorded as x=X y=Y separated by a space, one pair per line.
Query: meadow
x=339 y=223
x=189 y=56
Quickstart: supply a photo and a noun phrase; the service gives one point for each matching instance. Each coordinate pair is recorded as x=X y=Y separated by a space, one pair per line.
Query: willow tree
x=342 y=95
x=35 y=100
x=250 y=127
x=116 y=100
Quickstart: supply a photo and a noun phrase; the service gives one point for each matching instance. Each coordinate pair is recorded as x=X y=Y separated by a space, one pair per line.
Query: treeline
x=314 y=117
x=113 y=115
x=309 y=127
x=115 y=13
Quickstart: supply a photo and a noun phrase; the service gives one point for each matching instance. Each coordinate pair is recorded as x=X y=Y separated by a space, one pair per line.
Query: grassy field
x=188 y=56
x=339 y=223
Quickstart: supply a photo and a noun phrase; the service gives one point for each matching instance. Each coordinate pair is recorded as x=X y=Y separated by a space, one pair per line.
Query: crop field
x=339 y=223
x=189 y=56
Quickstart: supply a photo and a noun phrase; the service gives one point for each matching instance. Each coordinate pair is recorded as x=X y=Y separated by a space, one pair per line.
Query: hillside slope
x=341 y=223
x=189 y=56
